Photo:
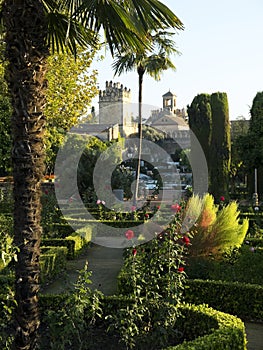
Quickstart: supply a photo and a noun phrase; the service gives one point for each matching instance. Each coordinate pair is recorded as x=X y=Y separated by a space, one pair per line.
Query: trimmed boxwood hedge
x=61 y=242
x=240 y=299
x=52 y=261
x=229 y=335
x=203 y=328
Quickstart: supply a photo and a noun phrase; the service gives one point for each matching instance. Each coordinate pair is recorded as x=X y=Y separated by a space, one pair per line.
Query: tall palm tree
x=32 y=28
x=152 y=59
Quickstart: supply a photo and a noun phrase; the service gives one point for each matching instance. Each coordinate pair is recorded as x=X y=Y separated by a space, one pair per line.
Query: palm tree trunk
x=140 y=71
x=26 y=52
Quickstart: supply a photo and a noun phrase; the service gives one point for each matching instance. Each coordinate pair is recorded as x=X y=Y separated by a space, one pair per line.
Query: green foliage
x=70 y=326
x=251 y=144
x=200 y=121
x=241 y=265
x=152 y=275
x=50 y=213
x=209 y=121
x=217 y=231
x=220 y=146
x=71 y=88
x=7 y=249
x=7 y=305
x=241 y=299
x=229 y=333
x=52 y=262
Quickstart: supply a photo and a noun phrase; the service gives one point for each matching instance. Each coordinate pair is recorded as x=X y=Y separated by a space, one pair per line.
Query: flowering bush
x=154 y=275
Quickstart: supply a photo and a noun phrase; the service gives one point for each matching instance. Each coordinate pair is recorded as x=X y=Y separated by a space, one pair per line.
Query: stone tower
x=169 y=102
x=114 y=106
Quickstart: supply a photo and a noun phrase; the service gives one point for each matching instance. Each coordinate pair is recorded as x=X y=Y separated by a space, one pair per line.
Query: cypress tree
x=200 y=123
x=253 y=145
x=220 y=149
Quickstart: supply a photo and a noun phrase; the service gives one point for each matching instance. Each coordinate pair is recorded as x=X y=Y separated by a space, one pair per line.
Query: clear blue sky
x=221 y=50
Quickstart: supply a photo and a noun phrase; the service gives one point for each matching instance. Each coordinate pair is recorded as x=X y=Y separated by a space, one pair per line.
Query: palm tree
x=153 y=59
x=32 y=28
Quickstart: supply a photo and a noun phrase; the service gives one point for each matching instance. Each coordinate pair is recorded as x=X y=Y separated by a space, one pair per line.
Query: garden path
x=105 y=264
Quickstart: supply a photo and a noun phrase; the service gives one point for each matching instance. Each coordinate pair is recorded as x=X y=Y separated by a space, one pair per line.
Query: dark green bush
x=60 y=242
x=6 y=281
x=52 y=262
x=200 y=327
x=243 y=265
x=227 y=332
x=240 y=299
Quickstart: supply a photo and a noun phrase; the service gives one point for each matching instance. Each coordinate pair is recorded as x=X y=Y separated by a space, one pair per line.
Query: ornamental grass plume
x=191 y=213
x=217 y=231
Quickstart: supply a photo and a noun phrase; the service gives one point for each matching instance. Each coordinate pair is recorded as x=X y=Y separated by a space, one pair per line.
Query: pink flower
x=129 y=234
x=176 y=207
x=186 y=240
x=133 y=208
x=146 y=216
x=70 y=200
x=222 y=198
x=134 y=252
x=180 y=269
x=98 y=201
x=103 y=202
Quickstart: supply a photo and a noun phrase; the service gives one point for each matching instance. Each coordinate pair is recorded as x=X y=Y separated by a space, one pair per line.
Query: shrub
x=52 y=261
x=217 y=230
x=222 y=331
x=240 y=299
x=69 y=324
x=241 y=265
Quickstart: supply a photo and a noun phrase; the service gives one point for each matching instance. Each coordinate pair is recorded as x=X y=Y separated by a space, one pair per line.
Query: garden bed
x=198 y=327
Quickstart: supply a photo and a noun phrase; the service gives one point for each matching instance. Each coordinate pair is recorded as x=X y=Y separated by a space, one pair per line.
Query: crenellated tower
x=114 y=106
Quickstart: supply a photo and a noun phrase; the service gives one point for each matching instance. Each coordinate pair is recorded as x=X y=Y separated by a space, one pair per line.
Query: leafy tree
x=220 y=146
x=32 y=27
x=239 y=129
x=71 y=87
x=251 y=145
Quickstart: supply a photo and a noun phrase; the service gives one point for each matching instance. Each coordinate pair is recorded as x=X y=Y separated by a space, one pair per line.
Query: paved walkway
x=105 y=264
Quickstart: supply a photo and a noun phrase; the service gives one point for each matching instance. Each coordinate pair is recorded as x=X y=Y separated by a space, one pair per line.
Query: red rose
x=222 y=198
x=46 y=191
x=181 y=269
x=134 y=252
x=176 y=207
x=129 y=234
x=146 y=216
x=158 y=207
x=186 y=240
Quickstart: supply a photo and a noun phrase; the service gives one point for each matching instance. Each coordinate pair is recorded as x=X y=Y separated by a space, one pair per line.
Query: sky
x=221 y=50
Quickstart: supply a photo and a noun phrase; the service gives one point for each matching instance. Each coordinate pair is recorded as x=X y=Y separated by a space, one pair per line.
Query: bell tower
x=169 y=102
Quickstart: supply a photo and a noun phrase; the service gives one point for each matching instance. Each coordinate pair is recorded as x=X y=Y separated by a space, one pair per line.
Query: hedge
x=240 y=299
x=202 y=327
x=228 y=335
x=52 y=261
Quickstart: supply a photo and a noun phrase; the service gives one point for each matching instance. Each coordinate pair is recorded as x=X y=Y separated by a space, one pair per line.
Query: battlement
x=114 y=92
